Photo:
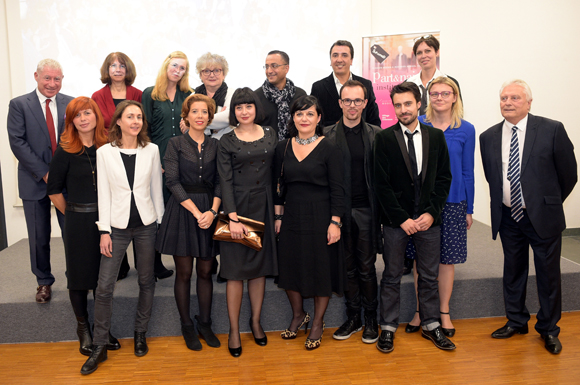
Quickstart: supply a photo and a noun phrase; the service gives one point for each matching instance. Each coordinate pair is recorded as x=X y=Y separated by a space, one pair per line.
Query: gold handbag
x=255 y=231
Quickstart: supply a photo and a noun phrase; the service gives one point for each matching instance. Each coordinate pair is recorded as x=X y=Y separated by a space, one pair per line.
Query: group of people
x=331 y=187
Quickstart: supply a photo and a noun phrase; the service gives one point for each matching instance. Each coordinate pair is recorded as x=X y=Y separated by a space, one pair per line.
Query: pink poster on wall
x=387 y=61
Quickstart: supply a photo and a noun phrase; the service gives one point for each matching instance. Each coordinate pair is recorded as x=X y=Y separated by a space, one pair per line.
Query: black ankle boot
x=85 y=337
x=141 y=347
x=190 y=337
x=160 y=271
x=113 y=343
x=207 y=334
x=98 y=355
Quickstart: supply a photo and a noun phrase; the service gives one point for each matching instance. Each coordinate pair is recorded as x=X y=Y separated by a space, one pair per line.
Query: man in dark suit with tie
x=530 y=166
x=412 y=181
x=327 y=90
x=35 y=122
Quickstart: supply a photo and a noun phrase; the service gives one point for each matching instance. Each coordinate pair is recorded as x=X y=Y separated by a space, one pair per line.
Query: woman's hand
x=182 y=126
x=277 y=225
x=469 y=219
x=333 y=234
x=238 y=230
x=205 y=220
x=106 y=245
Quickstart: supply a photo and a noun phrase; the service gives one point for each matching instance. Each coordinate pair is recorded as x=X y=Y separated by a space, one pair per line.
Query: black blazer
x=326 y=93
x=548 y=173
x=393 y=176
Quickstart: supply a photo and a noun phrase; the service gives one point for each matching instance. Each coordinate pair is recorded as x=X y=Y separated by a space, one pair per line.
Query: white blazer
x=115 y=194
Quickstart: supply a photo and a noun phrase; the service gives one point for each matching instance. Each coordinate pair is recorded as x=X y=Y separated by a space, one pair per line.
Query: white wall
x=486 y=43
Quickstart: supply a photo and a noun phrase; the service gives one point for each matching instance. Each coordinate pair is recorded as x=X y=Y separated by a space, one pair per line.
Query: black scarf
x=220 y=95
x=282 y=98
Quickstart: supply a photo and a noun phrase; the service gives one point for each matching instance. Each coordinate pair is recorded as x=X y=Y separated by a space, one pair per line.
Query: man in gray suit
x=35 y=122
x=530 y=166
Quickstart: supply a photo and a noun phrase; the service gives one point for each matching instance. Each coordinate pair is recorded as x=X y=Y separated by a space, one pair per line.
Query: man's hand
x=410 y=226
x=45 y=178
x=424 y=221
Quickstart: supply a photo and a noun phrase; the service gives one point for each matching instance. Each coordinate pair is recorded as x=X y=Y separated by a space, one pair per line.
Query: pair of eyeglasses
x=207 y=72
x=117 y=66
x=273 y=66
x=348 y=102
x=424 y=37
x=444 y=94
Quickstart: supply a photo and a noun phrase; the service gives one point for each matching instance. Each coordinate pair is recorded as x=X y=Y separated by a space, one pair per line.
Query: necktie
x=50 y=125
x=514 y=177
x=416 y=178
x=423 y=100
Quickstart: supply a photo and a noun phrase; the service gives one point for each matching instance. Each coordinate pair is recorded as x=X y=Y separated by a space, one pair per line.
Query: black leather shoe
x=259 y=341
x=98 y=355
x=448 y=332
x=508 y=331
x=385 y=343
x=553 y=344
x=85 y=338
x=141 y=347
x=412 y=328
x=352 y=325
x=162 y=274
x=436 y=335
x=371 y=333
x=235 y=352
x=113 y=343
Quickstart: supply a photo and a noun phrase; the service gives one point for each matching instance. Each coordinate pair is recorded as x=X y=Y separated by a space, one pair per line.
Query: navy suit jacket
x=30 y=141
x=548 y=173
x=327 y=95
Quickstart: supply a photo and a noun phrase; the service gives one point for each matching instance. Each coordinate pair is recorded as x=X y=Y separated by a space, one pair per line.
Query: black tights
x=182 y=288
x=78 y=300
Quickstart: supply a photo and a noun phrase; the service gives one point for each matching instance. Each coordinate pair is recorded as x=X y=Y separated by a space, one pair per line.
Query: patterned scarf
x=282 y=98
x=220 y=95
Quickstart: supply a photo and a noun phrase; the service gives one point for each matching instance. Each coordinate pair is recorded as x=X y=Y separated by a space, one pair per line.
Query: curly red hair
x=70 y=140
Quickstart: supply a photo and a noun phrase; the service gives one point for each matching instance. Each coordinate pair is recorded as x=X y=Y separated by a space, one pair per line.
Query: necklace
x=92 y=170
x=306 y=141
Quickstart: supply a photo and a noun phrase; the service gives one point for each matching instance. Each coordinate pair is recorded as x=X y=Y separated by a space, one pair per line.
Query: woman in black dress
x=245 y=167
x=187 y=227
x=308 y=216
x=73 y=168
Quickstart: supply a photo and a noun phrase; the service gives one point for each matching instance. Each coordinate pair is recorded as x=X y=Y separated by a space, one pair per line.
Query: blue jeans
x=144 y=239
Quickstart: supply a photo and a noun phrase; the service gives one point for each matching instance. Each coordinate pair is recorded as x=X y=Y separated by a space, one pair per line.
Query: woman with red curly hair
x=73 y=168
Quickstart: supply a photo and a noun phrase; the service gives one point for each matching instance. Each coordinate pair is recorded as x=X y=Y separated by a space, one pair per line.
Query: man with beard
x=412 y=181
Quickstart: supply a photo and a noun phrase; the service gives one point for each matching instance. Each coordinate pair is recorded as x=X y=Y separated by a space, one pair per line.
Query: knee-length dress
x=245 y=170
x=74 y=172
x=314 y=193
x=189 y=174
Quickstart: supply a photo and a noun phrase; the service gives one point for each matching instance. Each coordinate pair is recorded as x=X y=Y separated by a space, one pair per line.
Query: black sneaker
x=351 y=326
x=371 y=333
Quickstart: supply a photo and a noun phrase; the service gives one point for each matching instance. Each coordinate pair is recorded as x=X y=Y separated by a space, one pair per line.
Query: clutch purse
x=255 y=231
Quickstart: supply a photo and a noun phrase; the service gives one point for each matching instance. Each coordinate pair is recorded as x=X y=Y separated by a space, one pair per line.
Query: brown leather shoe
x=43 y=293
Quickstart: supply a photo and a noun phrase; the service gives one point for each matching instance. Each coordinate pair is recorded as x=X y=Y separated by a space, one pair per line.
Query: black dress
x=314 y=193
x=74 y=173
x=245 y=170
x=189 y=174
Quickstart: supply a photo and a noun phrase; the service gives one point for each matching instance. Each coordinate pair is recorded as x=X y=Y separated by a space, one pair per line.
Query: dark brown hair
x=430 y=40
x=130 y=71
x=353 y=83
x=186 y=107
x=343 y=43
x=115 y=133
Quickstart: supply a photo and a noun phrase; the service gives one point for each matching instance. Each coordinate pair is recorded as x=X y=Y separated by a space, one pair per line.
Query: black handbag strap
x=284 y=157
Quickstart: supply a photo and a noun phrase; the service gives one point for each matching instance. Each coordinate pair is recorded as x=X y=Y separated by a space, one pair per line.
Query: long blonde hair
x=160 y=90
x=456 y=108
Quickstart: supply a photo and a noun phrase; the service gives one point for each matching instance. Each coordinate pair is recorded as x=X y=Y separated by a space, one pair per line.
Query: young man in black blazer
x=412 y=181
x=327 y=90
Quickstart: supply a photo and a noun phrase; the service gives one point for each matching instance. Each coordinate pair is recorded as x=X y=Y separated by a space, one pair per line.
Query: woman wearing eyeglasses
x=445 y=111
x=162 y=104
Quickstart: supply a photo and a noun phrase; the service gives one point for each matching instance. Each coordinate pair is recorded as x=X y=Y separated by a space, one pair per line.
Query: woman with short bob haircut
x=130 y=207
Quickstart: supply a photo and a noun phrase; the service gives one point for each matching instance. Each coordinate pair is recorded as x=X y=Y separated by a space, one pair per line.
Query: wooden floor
x=479 y=359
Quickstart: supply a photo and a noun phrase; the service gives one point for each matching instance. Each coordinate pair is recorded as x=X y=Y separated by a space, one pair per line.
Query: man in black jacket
x=327 y=90
x=361 y=232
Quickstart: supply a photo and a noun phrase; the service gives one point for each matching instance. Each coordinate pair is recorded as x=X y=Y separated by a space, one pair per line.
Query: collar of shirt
x=417 y=144
x=417 y=78
x=43 y=98
x=506 y=136
x=355 y=130
x=337 y=82
x=522 y=124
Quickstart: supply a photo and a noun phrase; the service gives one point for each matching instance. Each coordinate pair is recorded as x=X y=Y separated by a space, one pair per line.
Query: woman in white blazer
x=130 y=207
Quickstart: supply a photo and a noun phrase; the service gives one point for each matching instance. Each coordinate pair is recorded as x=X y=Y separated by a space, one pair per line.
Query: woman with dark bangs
x=245 y=166
x=73 y=168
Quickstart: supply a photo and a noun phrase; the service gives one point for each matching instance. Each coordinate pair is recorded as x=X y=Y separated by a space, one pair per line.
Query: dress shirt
x=53 y=111
x=417 y=80
x=337 y=82
x=417 y=142
x=506 y=138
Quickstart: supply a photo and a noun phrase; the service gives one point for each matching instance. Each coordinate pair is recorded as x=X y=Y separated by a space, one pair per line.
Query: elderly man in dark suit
x=327 y=90
x=412 y=181
x=530 y=166
x=35 y=122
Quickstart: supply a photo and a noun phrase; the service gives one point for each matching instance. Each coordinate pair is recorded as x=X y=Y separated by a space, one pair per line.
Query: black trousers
x=516 y=239
x=362 y=286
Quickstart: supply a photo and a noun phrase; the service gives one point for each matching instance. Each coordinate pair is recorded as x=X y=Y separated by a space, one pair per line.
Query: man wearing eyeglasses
x=278 y=93
x=35 y=122
x=361 y=230
x=327 y=90
x=531 y=169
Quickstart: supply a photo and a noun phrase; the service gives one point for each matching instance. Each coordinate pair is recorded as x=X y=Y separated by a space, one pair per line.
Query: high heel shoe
x=311 y=344
x=260 y=341
x=447 y=332
x=235 y=352
x=291 y=334
x=412 y=328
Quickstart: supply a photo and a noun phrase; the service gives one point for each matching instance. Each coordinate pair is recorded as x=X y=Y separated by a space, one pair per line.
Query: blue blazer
x=30 y=141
